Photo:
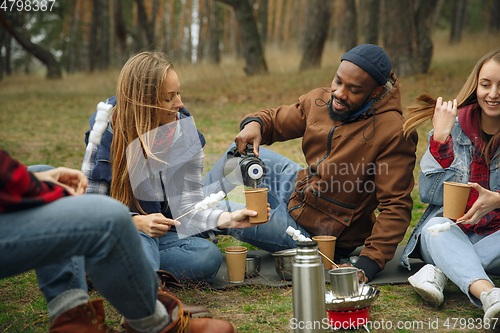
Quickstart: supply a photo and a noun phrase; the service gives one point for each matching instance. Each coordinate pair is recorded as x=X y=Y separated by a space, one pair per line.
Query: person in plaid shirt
x=463 y=149
x=47 y=225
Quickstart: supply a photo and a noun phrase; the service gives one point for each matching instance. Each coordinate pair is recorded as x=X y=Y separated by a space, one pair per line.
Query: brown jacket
x=354 y=169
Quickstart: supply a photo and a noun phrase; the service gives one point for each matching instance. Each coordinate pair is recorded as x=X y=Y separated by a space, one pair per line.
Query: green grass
x=44 y=122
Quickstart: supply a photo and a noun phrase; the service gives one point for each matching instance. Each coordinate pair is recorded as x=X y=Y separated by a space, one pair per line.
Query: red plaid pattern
x=479 y=171
x=20 y=189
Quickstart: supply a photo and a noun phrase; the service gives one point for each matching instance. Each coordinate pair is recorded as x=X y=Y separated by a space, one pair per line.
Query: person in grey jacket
x=461 y=149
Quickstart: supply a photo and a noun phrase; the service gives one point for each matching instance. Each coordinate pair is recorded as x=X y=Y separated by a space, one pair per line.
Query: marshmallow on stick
x=437 y=228
x=100 y=123
x=209 y=202
x=297 y=236
x=95 y=136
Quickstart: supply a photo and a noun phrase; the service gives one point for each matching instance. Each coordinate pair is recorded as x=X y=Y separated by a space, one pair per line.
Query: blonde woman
x=150 y=132
x=461 y=149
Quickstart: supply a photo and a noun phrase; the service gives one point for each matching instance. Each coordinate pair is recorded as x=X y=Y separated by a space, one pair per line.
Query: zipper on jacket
x=338 y=203
x=329 y=148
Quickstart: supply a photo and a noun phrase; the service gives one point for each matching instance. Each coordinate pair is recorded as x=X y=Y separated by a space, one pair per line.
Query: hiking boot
x=85 y=318
x=429 y=283
x=168 y=281
x=491 y=306
x=182 y=322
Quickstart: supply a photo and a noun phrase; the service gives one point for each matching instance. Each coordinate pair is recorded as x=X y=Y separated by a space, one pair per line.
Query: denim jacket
x=431 y=180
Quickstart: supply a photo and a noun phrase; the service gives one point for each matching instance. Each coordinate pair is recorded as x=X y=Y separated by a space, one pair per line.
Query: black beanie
x=372 y=59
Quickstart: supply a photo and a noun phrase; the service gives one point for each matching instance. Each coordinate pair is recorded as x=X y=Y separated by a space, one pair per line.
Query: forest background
x=232 y=57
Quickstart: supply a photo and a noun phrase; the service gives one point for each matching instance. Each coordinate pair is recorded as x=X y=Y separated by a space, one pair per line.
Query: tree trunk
x=3 y=39
x=189 y=41
x=407 y=36
x=42 y=54
x=278 y=22
x=495 y=17
x=120 y=31
x=95 y=33
x=105 y=36
x=202 y=13
x=423 y=25
x=350 y=27
x=372 y=22
x=288 y=22
x=262 y=22
x=73 y=37
x=458 y=11
x=437 y=14
x=252 y=49
x=213 y=26
x=8 y=55
x=317 y=30
x=148 y=26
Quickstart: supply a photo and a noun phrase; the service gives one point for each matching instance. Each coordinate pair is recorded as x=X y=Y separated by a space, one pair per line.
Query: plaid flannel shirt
x=479 y=173
x=20 y=189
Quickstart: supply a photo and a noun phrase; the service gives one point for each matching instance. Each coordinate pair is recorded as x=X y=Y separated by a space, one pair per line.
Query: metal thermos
x=308 y=280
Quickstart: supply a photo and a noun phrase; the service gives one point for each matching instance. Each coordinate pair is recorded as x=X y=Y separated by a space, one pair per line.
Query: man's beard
x=344 y=116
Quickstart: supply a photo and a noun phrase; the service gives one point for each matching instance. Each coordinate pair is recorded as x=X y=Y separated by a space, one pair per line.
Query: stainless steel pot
x=283 y=263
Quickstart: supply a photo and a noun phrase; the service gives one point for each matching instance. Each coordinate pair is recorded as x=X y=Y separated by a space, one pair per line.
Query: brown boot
x=168 y=282
x=183 y=323
x=85 y=318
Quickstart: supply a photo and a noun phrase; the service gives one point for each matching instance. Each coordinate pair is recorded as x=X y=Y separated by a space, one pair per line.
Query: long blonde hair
x=138 y=97
x=467 y=96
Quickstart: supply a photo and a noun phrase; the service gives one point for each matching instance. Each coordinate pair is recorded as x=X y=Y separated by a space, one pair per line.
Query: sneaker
x=429 y=283
x=491 y=305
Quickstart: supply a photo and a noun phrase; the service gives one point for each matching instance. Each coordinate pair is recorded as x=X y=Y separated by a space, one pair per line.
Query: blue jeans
x=281 y=173
x=189 y=258
x=462 y=258
x=58 y=238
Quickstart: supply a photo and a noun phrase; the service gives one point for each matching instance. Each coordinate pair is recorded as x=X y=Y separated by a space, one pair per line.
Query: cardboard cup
x=455 y=199
x=256 y=199
x=236 y=260
x=326 y=245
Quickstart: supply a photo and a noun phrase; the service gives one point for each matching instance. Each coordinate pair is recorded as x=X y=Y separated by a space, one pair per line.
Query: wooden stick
x=79 y=186
x=457 y=223
x=330 y=260
x=192 y=210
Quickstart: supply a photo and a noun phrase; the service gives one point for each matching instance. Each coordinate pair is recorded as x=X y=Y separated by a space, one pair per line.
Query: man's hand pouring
x=249 y=134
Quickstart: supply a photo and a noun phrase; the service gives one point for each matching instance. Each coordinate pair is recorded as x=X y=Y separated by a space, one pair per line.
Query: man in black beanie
x=358 y=161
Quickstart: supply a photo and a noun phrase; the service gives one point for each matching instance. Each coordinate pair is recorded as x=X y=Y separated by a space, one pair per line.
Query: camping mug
x=344 y=281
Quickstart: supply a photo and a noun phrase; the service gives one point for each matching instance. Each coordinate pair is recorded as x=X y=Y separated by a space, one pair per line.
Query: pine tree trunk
x=105 y=36
x=372 y=21
x=213 y=26
x=95 y=32
x=350 y=26
x=262 y=22
x=147 y=25
x=278 y=18
x=73 y=38
x=407 y=36
x=495 y=17
x=458 y=13
x=3 y=38
x=120 y=31
x=252 y=49
x=317 y=29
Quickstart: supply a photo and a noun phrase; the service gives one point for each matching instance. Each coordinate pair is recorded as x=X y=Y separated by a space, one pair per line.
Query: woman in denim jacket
x=464 y=150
